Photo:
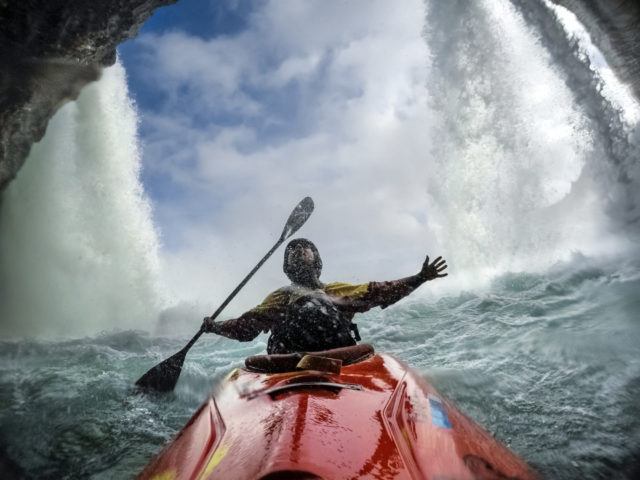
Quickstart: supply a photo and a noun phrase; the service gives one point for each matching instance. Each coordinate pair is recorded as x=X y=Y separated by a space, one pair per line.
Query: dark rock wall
x=50 y=49
x=614 y=26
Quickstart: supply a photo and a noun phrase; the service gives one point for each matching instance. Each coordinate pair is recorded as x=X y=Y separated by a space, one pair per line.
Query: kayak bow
x=374 y=418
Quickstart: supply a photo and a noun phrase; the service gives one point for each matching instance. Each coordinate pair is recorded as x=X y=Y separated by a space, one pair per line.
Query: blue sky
x=269 y=115
x=201 y=19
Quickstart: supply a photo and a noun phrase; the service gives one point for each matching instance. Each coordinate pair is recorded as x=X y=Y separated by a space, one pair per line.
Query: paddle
x=164 y=376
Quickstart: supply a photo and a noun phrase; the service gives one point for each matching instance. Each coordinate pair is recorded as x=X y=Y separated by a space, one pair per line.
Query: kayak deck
x=375 y=419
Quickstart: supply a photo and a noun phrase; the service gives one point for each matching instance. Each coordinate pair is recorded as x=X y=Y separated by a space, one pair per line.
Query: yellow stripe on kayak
x=215 y=459
x=168 y=475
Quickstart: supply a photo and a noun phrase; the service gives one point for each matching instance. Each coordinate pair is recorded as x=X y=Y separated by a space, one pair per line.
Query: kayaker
x=309 y=315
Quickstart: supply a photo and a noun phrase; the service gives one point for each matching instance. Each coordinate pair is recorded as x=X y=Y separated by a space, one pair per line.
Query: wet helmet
x=291 y=270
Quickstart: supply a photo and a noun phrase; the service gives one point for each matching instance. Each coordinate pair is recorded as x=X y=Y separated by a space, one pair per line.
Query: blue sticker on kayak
x=438 y=414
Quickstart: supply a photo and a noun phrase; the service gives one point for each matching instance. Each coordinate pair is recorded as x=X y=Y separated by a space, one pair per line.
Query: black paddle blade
x=164 y=376
x=298 y=217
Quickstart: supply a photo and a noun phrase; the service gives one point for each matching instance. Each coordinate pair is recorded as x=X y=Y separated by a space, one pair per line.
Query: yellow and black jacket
x=349 y=299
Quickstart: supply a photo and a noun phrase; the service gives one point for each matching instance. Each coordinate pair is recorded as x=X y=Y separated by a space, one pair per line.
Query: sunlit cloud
x=408 y=140
x=251 y=123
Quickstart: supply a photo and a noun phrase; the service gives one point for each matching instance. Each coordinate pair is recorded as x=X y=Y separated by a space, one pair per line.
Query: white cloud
x=353 y=138
x=211 y=72
x=291 y=69
x=334 y=100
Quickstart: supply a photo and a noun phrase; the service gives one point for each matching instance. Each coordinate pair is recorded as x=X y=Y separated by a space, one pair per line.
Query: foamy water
x=546 y=362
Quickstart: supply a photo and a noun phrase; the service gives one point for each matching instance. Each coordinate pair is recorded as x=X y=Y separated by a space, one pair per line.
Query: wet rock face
x=50 y=49
x=614 y=26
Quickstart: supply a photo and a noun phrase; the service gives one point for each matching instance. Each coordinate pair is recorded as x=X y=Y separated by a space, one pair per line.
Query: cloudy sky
x=246 y=107
x=442 y=132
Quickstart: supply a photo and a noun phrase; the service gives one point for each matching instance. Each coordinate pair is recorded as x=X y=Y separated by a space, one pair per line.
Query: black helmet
x=289 y=269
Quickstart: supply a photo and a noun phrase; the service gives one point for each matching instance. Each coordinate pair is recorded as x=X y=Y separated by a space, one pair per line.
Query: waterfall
x=525 y=173
x=78 y=249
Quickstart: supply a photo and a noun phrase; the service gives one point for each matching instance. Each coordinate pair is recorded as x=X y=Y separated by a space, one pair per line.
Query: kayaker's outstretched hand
x=433 y=270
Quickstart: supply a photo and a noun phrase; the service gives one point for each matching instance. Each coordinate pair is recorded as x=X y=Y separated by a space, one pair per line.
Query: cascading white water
x=519 y=175
x=78 y=249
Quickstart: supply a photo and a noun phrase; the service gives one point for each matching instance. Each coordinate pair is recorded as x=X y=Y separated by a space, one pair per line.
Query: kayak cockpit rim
x=289 y=386
x=283 y=363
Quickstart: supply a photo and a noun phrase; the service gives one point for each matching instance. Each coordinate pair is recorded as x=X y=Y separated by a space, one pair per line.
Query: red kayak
x=340 y=414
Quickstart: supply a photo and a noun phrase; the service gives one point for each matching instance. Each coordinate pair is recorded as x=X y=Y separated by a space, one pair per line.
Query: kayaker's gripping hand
x=431 y=271
x=209 y=325
x=244 y=328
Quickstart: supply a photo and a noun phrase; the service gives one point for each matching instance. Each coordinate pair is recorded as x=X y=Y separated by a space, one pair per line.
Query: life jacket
x=312 y=322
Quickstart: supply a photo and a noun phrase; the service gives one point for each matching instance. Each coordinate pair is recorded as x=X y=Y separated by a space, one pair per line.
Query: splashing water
x=546 y=362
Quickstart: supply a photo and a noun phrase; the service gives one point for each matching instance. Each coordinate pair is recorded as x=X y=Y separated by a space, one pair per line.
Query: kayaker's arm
x=249 y=325
x=383 y=294
x=244 y=328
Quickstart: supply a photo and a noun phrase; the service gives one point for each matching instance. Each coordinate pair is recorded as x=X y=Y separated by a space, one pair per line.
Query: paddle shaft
x=234 y=293
x=164 y=376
